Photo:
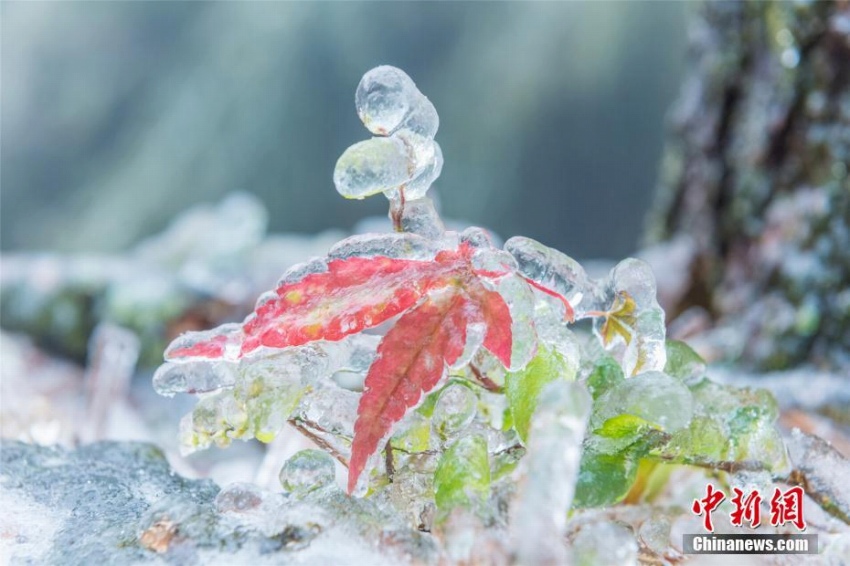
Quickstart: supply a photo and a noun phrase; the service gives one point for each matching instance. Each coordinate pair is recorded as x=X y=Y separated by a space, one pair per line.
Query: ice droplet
x=372 y=166
x=195 y=377
x=387 y=99
x=307 y=471
x=405 y=157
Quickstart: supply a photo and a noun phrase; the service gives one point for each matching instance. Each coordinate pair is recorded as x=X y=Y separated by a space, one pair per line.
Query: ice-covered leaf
x=523 y=387
x=411 y=361
x=682 y=362
x=653 y=396
x=606 y=374
x=351 y=294
x=462 y=478
x=604 y=479
x=624 y=426
x=632 y=318
x=554 y=273
x=619 y=321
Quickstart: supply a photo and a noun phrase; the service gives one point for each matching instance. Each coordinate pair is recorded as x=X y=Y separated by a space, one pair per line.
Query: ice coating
x=404 y=157
x=419 y=217
x=627 y=317
x=222 y=342
x=605 y=543
x=652 y=396
x=554 y=271
x=395 y=245
x=455 y=410
x=539 y=513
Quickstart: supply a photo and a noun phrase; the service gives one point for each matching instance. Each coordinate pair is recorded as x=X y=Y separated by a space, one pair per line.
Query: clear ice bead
x=387 y=99
x=193 y=377
x=307 y=471
x=372 y=166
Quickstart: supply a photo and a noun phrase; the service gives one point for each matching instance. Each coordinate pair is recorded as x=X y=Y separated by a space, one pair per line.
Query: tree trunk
x=755 y=181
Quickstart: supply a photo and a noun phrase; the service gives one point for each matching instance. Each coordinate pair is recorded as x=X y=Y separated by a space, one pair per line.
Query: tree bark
x=755 y=180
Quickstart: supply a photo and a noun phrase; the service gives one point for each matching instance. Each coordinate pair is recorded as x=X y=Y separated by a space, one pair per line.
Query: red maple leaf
x=437 y=301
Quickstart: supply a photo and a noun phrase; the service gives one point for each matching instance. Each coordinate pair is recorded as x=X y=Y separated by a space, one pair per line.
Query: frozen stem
x=306 y=428
x=397 y=210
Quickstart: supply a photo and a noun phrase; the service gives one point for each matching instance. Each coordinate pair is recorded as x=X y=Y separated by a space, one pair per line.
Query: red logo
x=707 y=505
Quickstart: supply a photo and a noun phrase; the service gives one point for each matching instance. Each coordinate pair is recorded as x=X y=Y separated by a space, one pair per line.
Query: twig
x=388 y=461
x=485 y=381
x=301 y=425
x=825 y=501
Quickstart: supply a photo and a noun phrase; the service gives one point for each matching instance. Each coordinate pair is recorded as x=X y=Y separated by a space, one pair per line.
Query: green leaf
x=604 y=479
x=624 y=426
x=682 y=362
x=606 y=374
x=523 y=387
x=462 y=478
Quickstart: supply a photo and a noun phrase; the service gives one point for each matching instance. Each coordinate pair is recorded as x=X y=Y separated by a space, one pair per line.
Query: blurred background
x=118 y=116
